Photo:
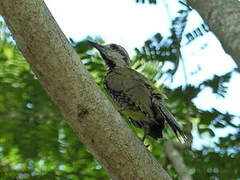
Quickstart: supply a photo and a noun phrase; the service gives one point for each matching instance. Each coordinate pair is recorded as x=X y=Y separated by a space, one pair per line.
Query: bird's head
x=113 y=55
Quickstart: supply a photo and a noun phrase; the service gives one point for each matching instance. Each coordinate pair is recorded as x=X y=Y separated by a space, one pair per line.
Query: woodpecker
x=136 y=96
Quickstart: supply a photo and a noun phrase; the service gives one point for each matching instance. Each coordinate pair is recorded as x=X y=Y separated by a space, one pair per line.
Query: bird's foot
x=147 y=145
x=143 y=139
x=121 y=110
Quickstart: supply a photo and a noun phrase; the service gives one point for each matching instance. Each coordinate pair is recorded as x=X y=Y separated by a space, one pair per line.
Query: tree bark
x=222 y=17
x=177 y=161
x=86 y=109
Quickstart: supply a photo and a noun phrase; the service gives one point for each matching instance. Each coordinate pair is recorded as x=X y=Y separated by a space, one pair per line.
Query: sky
x=130 y=24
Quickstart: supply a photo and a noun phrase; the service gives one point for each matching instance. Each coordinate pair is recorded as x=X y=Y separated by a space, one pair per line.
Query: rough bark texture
x=177 y=161
x=222 y=17
x=85 y=108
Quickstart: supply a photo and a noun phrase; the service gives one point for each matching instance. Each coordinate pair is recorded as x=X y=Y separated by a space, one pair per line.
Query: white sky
x=118 y=21
x=129 y=24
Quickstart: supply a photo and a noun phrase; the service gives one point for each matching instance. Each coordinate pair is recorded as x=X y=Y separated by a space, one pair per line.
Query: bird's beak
x=96 y=45
x=102 y=49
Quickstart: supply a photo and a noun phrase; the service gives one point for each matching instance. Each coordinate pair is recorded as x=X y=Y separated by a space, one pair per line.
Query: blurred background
x=171 y=45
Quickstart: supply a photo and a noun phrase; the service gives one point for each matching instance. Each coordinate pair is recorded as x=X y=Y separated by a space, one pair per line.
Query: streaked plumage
x=134 y=93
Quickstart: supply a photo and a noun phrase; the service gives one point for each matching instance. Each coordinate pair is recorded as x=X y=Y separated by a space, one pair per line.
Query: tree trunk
x=222 y=17
x=83 y=105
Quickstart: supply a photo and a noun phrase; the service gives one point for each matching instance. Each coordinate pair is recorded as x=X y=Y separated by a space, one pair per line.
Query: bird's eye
x=114 y=46
x=119 y=49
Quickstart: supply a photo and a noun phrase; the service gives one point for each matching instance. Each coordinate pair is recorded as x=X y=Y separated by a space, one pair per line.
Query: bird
x=134 y=94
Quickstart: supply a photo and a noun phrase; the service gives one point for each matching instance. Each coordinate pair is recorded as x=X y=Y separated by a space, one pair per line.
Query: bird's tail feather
x=171 y=120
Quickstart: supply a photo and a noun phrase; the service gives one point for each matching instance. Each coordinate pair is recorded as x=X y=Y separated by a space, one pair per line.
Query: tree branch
x=177 y=161
x=80 y=100
x=172 y=150
x=222 y=18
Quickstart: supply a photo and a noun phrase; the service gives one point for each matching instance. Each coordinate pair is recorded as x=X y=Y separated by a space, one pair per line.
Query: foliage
x=164 y=50
x=36 y=143
x=219 y=161
x=150 y=1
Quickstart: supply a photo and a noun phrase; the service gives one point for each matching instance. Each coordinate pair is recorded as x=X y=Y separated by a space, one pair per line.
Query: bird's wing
x=133 y=85
x=139 y=90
